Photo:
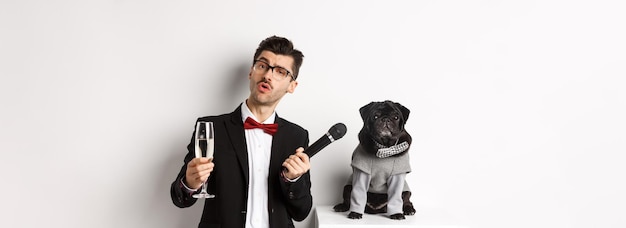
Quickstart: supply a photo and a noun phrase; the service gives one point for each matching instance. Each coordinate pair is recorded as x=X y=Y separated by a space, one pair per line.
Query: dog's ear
x=365 y=110
x=405 y=111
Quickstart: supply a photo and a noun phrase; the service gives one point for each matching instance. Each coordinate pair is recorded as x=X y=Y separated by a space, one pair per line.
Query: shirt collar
x=245 y=113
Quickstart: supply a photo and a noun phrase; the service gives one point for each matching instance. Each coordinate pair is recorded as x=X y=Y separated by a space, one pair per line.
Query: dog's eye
x=376 y=117
x=396 y=118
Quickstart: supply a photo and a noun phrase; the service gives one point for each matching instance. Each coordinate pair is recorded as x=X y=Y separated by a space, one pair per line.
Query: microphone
x=334 y=133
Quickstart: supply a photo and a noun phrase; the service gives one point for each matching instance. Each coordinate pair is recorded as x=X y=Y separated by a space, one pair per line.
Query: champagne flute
x=204 y=146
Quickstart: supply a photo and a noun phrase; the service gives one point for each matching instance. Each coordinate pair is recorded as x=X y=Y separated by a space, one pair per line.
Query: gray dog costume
x=379 y=175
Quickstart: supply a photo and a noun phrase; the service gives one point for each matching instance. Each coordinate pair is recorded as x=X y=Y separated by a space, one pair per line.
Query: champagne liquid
x=210 y=148
x=204 y=148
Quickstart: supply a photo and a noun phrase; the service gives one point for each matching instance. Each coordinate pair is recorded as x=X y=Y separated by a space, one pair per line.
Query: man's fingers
x=294 y=161
x=201 y=163
x=205 y=170
x=288 y=166
x=199 y=170
x=300 y=160
x=303 y=157
x=295 y=166
x=292 y=167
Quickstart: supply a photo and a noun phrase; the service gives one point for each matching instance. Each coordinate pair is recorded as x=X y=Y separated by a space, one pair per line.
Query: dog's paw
x=342 y=207
x=354 y=215
x=408 y=210
x=398 y=216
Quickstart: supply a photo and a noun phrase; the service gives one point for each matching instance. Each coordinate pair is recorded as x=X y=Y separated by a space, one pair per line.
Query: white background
x=517 y=107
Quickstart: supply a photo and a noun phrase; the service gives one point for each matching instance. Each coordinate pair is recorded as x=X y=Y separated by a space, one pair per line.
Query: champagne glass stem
x=205 y=185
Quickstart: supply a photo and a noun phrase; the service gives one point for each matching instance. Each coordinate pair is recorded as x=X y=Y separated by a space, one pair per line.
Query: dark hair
x=281 y=46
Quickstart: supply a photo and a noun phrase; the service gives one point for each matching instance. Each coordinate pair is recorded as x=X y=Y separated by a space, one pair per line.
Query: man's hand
x=296 y=164
x=198 y=171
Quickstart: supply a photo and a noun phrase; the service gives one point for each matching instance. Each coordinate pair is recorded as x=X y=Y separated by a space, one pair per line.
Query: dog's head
x=383 y=124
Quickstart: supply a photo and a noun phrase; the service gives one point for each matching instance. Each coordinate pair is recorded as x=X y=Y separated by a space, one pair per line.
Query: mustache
x=264 y=80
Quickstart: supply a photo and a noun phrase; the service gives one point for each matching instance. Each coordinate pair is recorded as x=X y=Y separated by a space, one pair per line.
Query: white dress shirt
x=259 y=145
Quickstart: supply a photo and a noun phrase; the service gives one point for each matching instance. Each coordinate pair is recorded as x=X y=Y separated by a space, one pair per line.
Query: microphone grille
x=337 y=131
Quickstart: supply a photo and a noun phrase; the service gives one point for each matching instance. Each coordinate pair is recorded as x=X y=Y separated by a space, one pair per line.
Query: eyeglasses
x=278 y=72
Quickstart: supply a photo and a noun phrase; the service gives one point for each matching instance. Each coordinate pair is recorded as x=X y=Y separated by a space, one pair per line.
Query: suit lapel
x=238 y=140
x=278 y=147
x=237 y=136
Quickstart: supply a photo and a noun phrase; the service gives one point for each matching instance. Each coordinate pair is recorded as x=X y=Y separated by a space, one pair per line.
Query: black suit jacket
x=229 y=180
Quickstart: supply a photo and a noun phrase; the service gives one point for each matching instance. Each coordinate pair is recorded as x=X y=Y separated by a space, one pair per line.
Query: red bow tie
x=267 y=128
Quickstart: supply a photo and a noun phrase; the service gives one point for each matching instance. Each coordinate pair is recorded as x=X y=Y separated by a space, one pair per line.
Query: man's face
x=267 y=89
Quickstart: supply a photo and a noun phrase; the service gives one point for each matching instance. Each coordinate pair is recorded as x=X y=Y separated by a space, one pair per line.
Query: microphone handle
x=318 y=145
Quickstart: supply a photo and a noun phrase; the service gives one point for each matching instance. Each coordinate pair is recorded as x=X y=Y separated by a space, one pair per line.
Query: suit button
x=243 y=212
x=291 y=195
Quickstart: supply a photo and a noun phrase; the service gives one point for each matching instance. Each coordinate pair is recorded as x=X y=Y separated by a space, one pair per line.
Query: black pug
x=380 y=163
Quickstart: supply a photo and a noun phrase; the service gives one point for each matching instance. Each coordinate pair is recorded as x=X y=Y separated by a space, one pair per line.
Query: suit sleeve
x=180 y=196
x=298 y=194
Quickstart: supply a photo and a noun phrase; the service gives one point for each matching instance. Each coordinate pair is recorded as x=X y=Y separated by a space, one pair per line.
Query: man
x=259 y=176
